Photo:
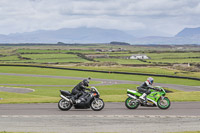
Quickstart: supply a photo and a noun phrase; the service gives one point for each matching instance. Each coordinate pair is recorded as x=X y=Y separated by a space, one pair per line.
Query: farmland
x=172 y=59
x=100 y=53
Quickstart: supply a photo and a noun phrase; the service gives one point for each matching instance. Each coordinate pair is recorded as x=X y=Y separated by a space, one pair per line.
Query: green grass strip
x=84 y=74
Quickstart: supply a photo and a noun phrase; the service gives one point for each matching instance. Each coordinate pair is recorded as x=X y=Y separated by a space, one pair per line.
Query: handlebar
x=157 y=89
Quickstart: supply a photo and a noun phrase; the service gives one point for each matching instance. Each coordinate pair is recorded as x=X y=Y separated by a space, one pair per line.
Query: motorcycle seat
x=66 y=93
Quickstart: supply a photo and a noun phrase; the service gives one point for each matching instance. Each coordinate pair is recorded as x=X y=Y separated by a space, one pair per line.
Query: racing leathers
x=78 y=91
x=145 y=89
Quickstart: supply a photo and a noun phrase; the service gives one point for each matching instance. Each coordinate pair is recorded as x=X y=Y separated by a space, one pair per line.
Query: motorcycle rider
x=145 y=88
x=79 y=89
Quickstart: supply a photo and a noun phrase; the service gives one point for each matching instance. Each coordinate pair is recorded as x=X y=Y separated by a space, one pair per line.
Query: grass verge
x=58 y=72
x=109 y=93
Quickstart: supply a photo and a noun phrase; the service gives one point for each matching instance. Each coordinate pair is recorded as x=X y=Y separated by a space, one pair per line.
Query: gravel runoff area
x=103 y=82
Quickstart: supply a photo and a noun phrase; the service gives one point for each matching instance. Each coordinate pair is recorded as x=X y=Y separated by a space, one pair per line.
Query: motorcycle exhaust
x=131 y=96
x=64 y=98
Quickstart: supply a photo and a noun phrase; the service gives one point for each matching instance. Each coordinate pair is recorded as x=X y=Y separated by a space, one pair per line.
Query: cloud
x=102 y=22
x=133 y=7
x=167 y=16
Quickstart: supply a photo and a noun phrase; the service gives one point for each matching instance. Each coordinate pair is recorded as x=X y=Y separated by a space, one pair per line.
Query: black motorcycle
x=87 y=100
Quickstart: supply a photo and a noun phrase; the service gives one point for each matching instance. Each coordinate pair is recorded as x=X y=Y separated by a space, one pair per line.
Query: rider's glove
x=157 y=89
x=88 y=89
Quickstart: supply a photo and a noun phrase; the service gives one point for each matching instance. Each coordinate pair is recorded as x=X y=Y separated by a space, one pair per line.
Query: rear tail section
x=133 y=92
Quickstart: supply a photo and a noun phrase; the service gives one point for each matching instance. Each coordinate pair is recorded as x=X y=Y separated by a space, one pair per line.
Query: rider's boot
x=143 y=97
x=78 y=101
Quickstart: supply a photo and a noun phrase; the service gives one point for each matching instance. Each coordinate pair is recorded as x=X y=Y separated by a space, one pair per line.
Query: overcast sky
x=164 y=17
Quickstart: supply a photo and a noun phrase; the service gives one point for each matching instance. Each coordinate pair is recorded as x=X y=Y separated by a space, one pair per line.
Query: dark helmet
x=86 y=82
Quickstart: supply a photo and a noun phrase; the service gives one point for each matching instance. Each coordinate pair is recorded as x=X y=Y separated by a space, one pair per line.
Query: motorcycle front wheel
x=164 y=103
x=97 y=104
x=64 y=105
x=131 y=103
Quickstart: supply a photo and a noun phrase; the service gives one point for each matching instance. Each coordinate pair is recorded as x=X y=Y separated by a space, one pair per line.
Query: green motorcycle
x=155 y=99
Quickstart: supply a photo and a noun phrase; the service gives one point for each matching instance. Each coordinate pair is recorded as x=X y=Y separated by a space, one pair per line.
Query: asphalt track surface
x=115 y=117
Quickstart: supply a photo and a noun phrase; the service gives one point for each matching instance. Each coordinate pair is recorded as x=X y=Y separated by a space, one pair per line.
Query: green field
x=49 y=56
x=175 y=61
x=188 y=57
x=68 y=54
x=121 y=61
x=110 y=93
x=9 y=58
x=173 y=55
x=50 y=51
x=43 y=58
x=49 y=61
x=37 y=80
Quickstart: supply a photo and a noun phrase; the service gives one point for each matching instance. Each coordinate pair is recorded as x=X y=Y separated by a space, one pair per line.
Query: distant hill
x=168 y=40
x=186 y=36
x=189 y=32
x=68 y=35
x=98 y=35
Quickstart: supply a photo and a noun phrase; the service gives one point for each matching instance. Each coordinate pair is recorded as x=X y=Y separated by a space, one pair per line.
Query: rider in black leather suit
x=79 y=89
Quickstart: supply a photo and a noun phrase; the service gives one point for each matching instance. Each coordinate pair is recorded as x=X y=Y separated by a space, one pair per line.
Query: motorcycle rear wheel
x=164 y=103
x=131 y=103
x=97 y=104
x=64 y=105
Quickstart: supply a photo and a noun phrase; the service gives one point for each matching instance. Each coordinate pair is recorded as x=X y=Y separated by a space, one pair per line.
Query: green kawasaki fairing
x=156 y=98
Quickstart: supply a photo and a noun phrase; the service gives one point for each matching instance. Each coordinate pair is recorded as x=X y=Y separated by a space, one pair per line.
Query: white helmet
x=150 y=80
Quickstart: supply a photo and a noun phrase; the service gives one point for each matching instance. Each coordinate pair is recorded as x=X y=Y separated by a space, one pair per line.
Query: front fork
x=162 y=97
x=95 y=100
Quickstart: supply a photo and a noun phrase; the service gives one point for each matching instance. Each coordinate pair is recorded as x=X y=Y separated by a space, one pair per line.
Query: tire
x=64 y=105
x=131 y=103
x=97 y=104
x=164 y=104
